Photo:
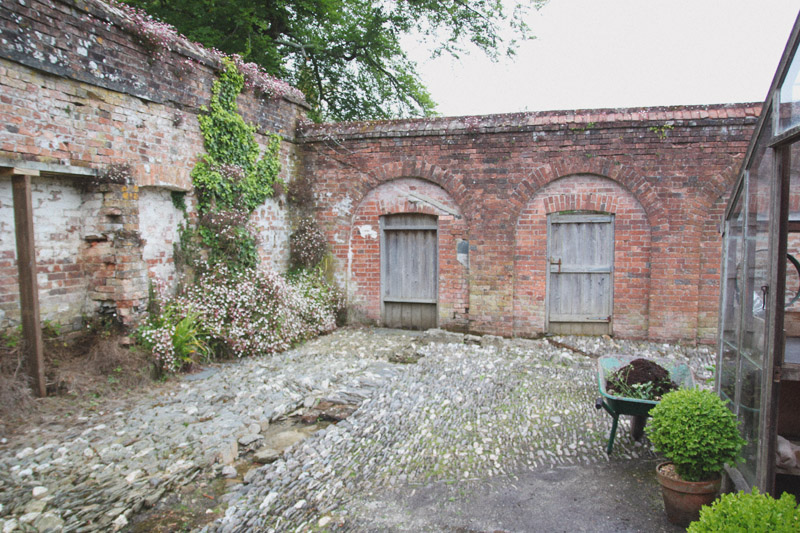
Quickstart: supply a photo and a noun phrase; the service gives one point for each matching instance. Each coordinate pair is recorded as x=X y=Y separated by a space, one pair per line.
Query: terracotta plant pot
x=683 y=499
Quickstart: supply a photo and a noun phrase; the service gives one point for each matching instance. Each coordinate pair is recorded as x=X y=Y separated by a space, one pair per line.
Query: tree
x=346 y=55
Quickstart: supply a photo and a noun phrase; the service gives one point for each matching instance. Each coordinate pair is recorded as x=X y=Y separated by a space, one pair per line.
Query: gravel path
x=471 y=409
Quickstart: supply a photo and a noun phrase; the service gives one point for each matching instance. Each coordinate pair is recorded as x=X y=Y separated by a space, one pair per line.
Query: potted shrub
x=698 y=434
x=753 y=512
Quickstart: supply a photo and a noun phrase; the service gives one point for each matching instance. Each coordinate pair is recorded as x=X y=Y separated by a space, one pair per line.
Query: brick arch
x=451 y=183
x=624 y=175
x=362 y=257
x=719 y=185
x=631 y=251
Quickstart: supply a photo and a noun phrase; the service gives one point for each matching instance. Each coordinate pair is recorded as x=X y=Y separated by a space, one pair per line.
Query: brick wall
x=59 y=229
x=361 y=247
x=78 y=93
x=663 y=172
x=159 y=221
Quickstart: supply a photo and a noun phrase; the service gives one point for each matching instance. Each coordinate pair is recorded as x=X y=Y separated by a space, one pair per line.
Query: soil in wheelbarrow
x=642 y=379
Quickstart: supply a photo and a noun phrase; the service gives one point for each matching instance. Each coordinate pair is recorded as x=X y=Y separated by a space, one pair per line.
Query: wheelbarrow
x=680 y=373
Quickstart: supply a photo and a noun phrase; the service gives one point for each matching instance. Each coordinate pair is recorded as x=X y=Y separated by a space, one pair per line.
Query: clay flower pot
x=683 y=499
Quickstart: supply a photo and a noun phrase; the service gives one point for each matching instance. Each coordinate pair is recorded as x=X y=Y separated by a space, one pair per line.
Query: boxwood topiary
x=749 y=513
x=696 y=431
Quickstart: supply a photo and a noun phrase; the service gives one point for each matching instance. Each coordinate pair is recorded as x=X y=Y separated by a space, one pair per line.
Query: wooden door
x=580 y=251
x=409 y=271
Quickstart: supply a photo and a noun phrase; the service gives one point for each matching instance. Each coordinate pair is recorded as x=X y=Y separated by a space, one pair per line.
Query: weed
x=661 y=131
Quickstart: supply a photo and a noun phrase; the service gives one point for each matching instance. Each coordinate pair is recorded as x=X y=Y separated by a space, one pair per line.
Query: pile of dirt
x=641 y=378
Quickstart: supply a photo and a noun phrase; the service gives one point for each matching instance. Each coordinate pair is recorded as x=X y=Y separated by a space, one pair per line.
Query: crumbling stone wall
x=78 y=93
x=663 y=173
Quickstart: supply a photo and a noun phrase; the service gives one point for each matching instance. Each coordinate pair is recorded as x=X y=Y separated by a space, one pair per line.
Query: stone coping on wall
x=57 y=37
x=579 y=121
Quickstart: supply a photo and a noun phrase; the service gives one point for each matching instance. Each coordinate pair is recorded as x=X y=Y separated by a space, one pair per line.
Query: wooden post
x=26 y=265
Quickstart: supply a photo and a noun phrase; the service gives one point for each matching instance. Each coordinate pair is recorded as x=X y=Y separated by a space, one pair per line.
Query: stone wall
x=663 y=173
x=81 y=91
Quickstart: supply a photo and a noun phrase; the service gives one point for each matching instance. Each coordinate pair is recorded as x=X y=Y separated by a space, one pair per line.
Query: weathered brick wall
x=662 y=171
x=631 y=251
x=79 y=92
x=362 y=275
x=59 y=227
x=159 y=219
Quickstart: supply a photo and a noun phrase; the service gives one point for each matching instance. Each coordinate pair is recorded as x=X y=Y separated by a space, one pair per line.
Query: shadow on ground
x=618 y=496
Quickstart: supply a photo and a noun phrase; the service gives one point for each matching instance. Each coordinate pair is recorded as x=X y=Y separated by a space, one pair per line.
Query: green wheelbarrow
x=680 y=373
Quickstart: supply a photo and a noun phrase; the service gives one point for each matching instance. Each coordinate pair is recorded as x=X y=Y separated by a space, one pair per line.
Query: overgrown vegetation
x=231 y=308
x=348 y=57
x=87 y=364
x=233 y=177
x=239 y=313
x=307 y=244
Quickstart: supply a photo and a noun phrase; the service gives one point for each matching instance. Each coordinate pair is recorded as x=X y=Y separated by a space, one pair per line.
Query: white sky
x=622 y=53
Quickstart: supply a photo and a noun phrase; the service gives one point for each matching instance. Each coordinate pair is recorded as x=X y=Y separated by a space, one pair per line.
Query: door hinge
x=776 y=374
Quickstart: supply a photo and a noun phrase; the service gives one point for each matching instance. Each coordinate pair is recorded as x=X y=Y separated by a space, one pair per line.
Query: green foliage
x=244 y=313
x=188 y=341
x=233 y=173
x=749 y=513
x=346 y=55
x=636 y=391
x=179 y=200
x=696 y=431
x=661 y=131
x=176 y=331
x=233 y=178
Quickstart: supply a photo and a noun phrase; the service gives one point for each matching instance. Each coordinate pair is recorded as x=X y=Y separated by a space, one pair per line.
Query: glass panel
x=749 y=415
x=731 y=305
x=756 y=309
x=791 y=321
x=789 y=97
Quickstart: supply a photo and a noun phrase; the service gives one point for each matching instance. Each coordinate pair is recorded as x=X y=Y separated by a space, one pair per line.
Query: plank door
x=580 y=251
x=409 y=271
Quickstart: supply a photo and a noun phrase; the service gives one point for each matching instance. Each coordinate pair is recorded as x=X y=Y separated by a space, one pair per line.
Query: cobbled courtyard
x=431 y=409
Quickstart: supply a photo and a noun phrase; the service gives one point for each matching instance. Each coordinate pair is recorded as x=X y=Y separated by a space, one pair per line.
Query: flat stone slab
x=266 y=455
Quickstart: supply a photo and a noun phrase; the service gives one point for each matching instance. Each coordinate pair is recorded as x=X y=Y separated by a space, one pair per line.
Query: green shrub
x=696 y=431
x=749 y=513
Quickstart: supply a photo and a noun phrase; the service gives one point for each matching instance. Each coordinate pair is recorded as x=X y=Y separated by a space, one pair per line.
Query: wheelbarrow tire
x=637 y=426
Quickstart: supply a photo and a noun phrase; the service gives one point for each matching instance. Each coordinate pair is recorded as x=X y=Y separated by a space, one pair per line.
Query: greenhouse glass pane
x=789 y=97
x=756 y=310
x=749 y=416
x=731 y=307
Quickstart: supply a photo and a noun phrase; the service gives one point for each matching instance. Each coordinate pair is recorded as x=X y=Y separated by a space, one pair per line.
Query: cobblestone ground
x=469 y=409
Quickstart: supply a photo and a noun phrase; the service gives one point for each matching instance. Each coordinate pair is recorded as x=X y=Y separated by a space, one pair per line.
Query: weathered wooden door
x=409 y=271
x=580 y=251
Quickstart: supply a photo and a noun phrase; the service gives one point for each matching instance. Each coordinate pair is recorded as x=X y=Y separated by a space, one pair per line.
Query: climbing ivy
x=233 y=177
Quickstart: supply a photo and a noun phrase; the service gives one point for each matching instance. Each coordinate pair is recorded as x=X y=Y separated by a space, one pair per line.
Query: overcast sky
x=622 y=53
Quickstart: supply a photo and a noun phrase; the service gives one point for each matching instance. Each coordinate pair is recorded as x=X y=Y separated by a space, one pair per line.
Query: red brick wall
x=631 y=252
x=77 y=91
x=664 y=170
x=363 y=275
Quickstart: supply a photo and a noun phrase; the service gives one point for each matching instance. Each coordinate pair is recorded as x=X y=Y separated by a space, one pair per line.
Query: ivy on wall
x=233 y=177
